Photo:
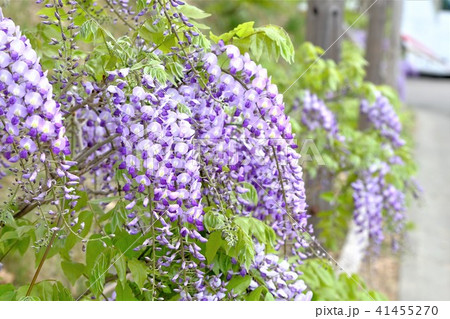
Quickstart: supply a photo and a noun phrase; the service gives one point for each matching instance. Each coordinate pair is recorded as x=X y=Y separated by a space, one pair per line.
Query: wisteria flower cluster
x=164 y=137
x=315 y=115
x=385 y=119
x=32 y=132
x=29 y=113
x=378 y=204
x=277 y=274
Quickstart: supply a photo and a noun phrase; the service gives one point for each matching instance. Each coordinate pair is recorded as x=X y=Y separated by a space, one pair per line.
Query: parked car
x=426 y=36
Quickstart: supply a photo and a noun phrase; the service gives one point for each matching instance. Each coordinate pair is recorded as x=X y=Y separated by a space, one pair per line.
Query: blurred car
x=426 y=36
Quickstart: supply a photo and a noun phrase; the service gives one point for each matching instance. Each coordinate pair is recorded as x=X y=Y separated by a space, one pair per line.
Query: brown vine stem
x=44 y=257
x=91 y=150
x=284 y=194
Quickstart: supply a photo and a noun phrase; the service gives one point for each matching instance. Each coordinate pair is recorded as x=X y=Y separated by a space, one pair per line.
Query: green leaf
x=213 y=244
x=118 y=216
x=120 y=263
x=270 y=41
x=193 y=12
x=93 y=250
x=213 y=221
x=12 y=234
x=45 y=291
x=257 y=46
x=175 y=70
x=28 y=298
x=25 y=230
x=98 y=273
x=7 y=292
x=183 y=108
x=269 y=297
x=126 y=243
x=239 y=284
x=86 y=218
x=255 y=295
x=281 y=39
x=251 y=195
x=244 y=250
x=124 y=292
x=88 y=30
x=245 y=29
x=141 y=4
x=255 y=227
x=138 y=271
x=72 y=270
x=61 y=293
x=158 y=72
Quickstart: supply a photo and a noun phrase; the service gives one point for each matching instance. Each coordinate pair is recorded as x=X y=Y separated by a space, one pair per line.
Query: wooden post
x=395 y=8
x=325 y=26
x=375 y=47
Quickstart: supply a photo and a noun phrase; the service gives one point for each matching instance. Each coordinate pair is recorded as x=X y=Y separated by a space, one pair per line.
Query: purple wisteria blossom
x=231 y=129
x=282 y=281
x=31 y=122
x=378 y=204
x=384 y=118
x=316 y=115
x=26 y=105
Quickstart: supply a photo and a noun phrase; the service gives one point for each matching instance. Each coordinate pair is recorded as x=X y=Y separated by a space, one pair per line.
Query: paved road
x=425 y=267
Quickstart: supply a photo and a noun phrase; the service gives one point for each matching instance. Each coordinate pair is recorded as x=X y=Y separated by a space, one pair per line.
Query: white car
x=426 y=36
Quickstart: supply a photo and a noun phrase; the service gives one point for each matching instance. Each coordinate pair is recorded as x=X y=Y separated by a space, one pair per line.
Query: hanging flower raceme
x=316 y=115
x=32 y=131
x=384 y=118
x=152 y=146
x=282 y=282
x=378 y=204
x=246 y=131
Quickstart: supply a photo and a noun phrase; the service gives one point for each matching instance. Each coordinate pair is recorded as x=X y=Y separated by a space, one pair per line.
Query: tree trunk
x=394 y=53
x=376 y=42
x=324 y=26
x=375 y=48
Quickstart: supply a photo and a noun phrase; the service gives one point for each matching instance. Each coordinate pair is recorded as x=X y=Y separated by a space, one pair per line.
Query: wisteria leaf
x=239 y=284
x=72 y=270
x=213 y=244
x=120 y=263
x=255 y=295
x=88 y=30
x=98 y=273
x=138 y=271
x=193 y=12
